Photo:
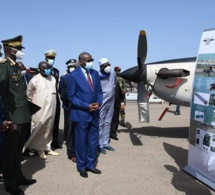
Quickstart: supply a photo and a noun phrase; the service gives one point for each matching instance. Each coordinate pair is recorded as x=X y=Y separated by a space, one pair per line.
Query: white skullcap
x=103 y=61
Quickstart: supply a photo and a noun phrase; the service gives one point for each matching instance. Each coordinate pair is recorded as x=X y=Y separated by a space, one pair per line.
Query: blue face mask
x=51 y=62
x=48 y=71
x=89 y=65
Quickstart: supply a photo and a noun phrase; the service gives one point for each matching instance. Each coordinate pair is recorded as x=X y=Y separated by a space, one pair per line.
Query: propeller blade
x=141 y=50
x=139 y=75
x=143 y=105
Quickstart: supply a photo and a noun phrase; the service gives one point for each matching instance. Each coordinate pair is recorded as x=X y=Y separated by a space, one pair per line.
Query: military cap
x=71 y=62
x=15 y=42
x=50 y=53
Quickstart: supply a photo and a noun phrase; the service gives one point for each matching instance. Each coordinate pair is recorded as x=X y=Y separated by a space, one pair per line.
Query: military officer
x=50 y=58
x=17 y=111
x=123 y=86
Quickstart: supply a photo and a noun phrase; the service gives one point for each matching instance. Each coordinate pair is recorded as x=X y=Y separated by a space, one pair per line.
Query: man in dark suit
x=17 y=111
x=85 y=95
x=68 y=129
x=50 y=58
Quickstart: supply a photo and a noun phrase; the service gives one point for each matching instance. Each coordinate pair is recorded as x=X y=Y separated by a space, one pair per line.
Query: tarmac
x=148 y=160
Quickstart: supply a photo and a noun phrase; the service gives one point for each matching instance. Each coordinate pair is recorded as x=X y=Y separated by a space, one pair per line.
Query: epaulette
x=3 y=60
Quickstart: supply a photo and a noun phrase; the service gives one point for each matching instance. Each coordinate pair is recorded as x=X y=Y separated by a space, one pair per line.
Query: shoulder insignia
x=3 y=60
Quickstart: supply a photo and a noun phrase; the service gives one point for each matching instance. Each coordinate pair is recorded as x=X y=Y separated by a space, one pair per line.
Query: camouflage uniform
x=123 y=86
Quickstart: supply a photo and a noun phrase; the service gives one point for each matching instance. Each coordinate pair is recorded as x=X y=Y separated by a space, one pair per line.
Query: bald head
x=44 y=65
x=84 y=56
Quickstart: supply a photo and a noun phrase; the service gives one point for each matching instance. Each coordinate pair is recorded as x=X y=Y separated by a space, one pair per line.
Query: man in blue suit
x=85 y=94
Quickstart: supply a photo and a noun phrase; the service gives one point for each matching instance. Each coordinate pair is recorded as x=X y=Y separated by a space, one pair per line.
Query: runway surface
x=148 y=160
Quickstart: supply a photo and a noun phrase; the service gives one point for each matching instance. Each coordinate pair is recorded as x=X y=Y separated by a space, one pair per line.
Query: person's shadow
x=30 y=166
x=136 y=133
x=180 y=180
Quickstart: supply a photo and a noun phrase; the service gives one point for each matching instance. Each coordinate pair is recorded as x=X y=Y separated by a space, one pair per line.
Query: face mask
x=71 y=69
x=48 y=71
x=23 y=72
x=107 y=69
x=51 y=62
x=89 y=65
x=19 y=54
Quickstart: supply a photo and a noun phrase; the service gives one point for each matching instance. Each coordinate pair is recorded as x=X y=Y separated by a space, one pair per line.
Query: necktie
x=89 y=80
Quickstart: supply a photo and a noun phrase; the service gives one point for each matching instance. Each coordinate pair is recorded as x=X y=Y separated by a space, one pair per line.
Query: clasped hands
x=93 y=107
x=8 y=126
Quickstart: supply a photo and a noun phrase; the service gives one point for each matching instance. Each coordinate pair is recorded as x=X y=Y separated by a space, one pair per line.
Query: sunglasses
x=91 y=60
x=106 y=65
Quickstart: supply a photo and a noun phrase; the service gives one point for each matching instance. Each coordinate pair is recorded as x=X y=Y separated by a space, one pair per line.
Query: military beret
x=71 y=62
x=50 y=53
x=15 y=42
x=117 y=68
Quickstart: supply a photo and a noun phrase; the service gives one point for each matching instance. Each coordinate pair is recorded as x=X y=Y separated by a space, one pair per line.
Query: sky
x=106 y=28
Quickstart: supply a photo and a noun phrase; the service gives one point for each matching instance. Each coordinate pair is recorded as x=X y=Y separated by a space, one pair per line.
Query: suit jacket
x=13 y=93
x=63 y=91
x=81 y=95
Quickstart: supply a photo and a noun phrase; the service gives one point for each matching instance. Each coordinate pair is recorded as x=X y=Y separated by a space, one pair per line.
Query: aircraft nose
x=134 y=74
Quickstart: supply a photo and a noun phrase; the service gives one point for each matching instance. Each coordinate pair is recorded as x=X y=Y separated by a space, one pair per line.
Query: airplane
x=170 y=80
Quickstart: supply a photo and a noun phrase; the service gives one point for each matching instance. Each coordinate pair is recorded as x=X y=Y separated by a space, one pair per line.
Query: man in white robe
x=41 y=91
x=108 y=82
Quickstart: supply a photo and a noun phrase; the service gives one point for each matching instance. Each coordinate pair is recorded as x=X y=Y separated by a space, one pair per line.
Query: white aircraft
x=169 y=80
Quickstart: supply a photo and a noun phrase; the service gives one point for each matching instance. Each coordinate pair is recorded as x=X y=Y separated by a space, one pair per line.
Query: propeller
x=139 y=75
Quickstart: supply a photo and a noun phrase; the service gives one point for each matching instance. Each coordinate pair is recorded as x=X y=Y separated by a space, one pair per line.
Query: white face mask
x=23 y=72
x=107 y=69
x=71 y=69
x=51 y=62
x=19 y=54
x=89 y=65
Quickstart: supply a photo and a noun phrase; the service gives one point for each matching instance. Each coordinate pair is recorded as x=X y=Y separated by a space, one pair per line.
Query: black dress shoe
x=26 y=153
x=83 y=173
x=114 y=137
x=1 y=179
x=73 y=159
x=57 y=146
x=15 y=191
x=26 y=182
x=96 y=171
